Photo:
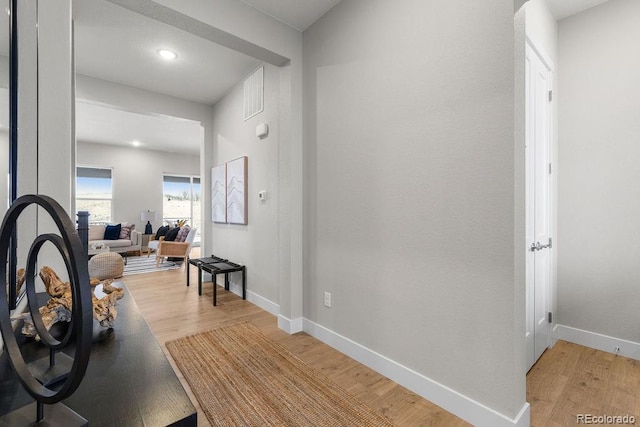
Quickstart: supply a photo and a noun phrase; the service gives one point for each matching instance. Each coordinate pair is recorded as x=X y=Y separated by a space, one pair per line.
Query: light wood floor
x=568 y=379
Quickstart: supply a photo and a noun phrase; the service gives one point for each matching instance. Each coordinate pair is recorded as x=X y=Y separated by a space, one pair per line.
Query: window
x=94 y=193
x=181 y=200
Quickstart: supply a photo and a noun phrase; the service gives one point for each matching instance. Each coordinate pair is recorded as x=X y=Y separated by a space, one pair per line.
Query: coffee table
x=101 y=250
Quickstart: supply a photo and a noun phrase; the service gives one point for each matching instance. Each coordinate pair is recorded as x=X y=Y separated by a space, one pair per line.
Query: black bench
x=198 y=262
x=215 y=265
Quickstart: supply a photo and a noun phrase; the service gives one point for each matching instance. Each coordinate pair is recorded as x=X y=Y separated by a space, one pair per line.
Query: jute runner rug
x=241 y=378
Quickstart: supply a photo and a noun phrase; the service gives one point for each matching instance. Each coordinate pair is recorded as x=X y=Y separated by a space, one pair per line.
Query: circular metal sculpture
x=81 y=327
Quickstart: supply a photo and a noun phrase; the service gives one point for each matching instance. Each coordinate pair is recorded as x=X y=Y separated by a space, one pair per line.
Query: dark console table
x=215 y=265
x=129 y=381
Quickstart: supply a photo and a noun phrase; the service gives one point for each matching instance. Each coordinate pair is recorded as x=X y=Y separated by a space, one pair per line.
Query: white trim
x=554 y=335
x=262 y=302
x=290 y=326
x=598 y=341
x=543 y=56
x=439 y=394
x=135 y=110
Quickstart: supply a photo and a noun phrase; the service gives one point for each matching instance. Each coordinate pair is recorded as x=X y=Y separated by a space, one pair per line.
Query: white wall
x=599 y=200
x=409 y=139
x=542 y=28
x=239 y=20
x=45 y=137
x=56 y=99
x=137 y=177
x=256 y=244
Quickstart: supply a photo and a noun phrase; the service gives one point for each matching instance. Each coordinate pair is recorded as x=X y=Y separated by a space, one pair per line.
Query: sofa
x=119 y=238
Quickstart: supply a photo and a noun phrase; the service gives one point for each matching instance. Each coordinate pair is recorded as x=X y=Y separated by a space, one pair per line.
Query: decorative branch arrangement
x=59 y=307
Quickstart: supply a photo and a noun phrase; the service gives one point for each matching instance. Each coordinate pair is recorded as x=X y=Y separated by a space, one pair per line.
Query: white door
x=538 y=205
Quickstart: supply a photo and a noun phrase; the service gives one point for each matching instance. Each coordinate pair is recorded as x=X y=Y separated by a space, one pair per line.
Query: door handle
x=537 y=246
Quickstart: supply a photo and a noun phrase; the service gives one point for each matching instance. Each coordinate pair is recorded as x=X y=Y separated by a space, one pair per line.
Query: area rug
x=241 y=378
x=142 y=264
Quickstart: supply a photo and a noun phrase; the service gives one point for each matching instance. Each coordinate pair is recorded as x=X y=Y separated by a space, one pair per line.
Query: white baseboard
x=598 y=341
x=262 y=302
x=454 y=402
x=448 y=399
x=290 y=326
x=554 y=335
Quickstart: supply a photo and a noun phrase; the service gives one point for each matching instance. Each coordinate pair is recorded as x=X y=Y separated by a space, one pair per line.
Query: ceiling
x=564 y=8
x=118 y=45
x=115 y=44
x=299 y=14
x=104 y=124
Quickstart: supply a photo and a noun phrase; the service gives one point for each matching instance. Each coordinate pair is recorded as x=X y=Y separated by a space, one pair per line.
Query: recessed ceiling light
x=136 y=143
x=167 y=54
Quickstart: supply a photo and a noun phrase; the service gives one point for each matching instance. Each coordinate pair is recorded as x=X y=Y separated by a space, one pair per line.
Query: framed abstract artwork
x=219 y=193
x=237 y=191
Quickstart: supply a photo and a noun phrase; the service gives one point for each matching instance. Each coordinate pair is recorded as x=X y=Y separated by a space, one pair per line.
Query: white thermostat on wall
x=262 y=130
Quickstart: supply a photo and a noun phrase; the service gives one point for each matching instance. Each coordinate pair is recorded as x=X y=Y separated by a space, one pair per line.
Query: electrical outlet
x=327 y=299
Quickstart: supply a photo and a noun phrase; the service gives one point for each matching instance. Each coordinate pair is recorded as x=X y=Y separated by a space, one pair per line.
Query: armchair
x=175 y=249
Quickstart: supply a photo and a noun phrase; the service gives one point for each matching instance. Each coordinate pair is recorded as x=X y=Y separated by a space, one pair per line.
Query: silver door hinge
x=549 y=168
x=550 y=95
x=550 y=318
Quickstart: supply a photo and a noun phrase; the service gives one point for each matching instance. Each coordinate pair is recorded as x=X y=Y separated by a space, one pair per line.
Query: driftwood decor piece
x=105 y=309
x=59 y=307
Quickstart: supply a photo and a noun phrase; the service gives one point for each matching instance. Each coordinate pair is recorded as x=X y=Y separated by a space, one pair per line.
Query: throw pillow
x=112 y=232
x=182 y=234
x=162 y=231
x=172 y=234
x=96 y=231
x=125 y=231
